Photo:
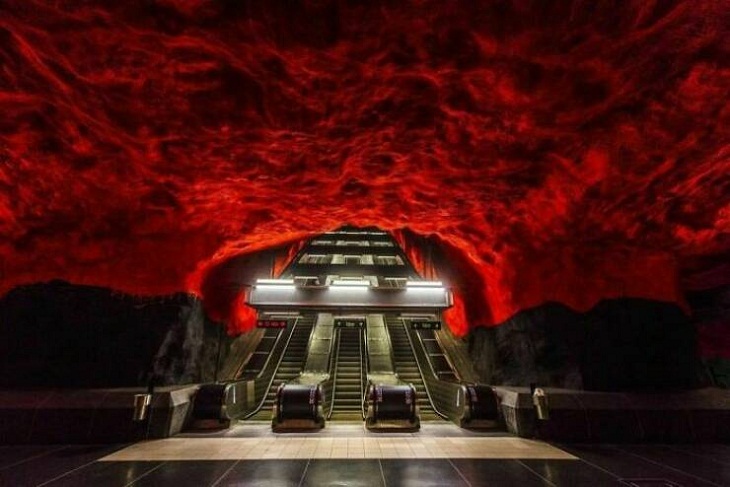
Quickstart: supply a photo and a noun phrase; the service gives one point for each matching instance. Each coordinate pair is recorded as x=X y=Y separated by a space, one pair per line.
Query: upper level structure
x=352 y=269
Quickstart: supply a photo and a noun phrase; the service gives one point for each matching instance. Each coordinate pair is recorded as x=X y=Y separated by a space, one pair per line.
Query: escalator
x=437 y=357
x=348 y=376
x=407 y=368
x=290 y=366
x=259 y=358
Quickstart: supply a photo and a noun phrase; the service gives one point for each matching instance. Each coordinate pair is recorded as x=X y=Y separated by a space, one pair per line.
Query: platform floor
x=347 y=455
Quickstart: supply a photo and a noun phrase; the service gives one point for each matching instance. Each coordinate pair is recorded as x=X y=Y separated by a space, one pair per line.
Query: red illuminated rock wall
x=562 y=151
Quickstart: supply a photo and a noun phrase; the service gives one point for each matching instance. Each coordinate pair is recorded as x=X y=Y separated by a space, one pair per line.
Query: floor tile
x=350 y=473
x=52 y=465
x=184 y=474
x=15 y=454
x=626 y=466
x=497 y=473
x=315 y=447
x=699 y=467
x=569 y=473
x=265 y=473
x=718 y=453
x=464 y=460
x=117 y=474
x=421 y=473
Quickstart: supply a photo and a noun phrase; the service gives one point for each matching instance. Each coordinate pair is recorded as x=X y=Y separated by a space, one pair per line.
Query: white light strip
x=340 y=282
x=281 y=282
x=424 y=284
x=275 y=287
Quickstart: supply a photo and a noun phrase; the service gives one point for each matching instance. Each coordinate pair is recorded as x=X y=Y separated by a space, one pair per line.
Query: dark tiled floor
x=186 y=473
x=35 y=469
x=422 y=472
x=354 y=473
x=624 y=463
x=265 y=474
x=598 y=465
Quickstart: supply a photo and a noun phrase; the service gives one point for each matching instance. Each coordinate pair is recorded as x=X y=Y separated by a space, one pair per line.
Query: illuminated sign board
x=425 y=325
x=351 y=322
x=271 y=323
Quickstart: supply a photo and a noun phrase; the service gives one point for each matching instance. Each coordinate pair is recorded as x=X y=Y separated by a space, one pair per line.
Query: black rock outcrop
x=619 y=345
x=61 y=335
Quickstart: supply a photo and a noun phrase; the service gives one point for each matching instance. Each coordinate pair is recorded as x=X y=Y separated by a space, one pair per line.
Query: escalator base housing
x=298 y=407
x=392 y=407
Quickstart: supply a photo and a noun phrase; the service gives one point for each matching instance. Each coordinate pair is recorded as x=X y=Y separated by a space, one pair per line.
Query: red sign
x=271 y=323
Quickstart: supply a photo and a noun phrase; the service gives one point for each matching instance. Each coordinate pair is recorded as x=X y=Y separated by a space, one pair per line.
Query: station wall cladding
x=568 y=161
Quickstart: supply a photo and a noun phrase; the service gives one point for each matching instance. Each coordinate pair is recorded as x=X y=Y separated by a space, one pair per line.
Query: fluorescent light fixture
x=346 y=283
x=276 y=287
x=424 y=284
x=276 y=282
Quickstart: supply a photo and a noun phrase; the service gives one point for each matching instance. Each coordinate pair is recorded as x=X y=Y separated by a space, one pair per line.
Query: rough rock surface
x=62 y=335
x=566 y=151
x=711 y=316
x=622 y=344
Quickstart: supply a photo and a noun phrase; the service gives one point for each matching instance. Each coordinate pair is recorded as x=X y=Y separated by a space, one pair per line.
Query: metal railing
x=264 y=381
x=363 y=372
x=421 y=371
x=331 y=383
x=447 y=398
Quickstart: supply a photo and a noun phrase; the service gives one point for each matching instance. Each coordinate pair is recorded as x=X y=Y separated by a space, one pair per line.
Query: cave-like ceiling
x=567 y=151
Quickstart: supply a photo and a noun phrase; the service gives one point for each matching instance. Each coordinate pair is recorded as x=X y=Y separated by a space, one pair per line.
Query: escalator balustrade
x=290 y=366
x=407 y=368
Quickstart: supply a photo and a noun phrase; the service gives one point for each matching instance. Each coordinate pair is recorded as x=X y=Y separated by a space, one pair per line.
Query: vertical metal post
x=218 y=355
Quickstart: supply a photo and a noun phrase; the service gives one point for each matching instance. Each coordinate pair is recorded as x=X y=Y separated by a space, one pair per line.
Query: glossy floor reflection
x=593 y=465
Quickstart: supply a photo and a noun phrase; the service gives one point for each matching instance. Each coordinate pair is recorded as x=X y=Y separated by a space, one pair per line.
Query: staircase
x=348 y=386
x=407 y=368
x=290 y=366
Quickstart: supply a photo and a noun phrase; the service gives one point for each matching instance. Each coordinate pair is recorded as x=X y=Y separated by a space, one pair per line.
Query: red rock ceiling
x=566 y=151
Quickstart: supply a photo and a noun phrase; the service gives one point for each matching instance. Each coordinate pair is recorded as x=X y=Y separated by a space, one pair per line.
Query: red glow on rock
x=283 y=259
x=564 y=151
x=242 y=318
x=456 y=317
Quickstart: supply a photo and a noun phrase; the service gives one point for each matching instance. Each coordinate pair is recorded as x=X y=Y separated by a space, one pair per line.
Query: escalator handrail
x=242 y=367
x=428 y=357
x=273 y=375
x=268 y=359
x=364 y=367
x=420 y=370
x=446 y=355
x=335 y=363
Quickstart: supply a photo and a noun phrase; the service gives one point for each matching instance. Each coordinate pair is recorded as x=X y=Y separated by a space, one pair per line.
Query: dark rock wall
x=533 y=346
x=635 y=344
x=61 y=335
x=619 y=345
x=711 y=317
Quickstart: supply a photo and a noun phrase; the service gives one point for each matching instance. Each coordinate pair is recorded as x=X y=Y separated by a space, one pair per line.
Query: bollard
x=540 y=401
x=141 y=406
